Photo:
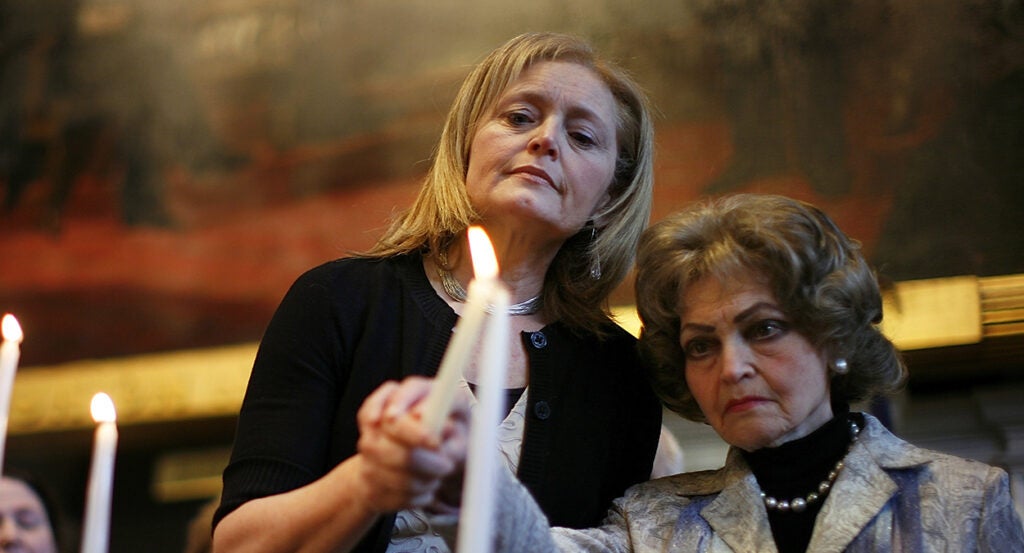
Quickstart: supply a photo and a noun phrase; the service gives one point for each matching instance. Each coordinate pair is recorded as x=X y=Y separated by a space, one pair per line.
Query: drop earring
x=595 y=265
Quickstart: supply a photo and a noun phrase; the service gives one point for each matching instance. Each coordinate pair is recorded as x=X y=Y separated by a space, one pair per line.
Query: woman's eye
x=583 y=139
x=767 y=329
x=518 y=118
x=27 y=519
x=697 y=348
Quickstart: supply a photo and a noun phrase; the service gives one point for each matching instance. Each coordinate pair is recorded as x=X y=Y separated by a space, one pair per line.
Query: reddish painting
x=167 y=169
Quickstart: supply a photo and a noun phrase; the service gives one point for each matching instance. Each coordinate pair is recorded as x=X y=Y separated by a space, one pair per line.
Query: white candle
x=96 y=528
x=483 y=462
x=466 y=332
x=10 y=352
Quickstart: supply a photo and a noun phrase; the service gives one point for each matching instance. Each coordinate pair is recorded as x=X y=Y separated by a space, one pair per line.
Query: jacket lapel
x=737 y=516
x=863 y=488
x=860 y=493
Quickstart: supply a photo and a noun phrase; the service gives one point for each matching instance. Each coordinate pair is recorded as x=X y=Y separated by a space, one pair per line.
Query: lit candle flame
x=485 y=264
x=103 y=408
x=11 y=329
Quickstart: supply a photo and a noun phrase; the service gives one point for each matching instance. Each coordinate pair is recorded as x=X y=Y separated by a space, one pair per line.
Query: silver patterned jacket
x=891 y=496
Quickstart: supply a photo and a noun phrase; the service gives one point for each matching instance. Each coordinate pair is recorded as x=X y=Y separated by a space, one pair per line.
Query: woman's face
x=759 y=382
x=24 y=524
x=546 y=152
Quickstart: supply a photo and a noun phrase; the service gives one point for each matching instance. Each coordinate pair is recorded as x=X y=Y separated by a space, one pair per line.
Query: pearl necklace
x=800 y=504
x=455 y=291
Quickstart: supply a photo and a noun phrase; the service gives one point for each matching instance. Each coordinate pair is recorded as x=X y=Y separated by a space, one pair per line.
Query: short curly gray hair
x=818 y=274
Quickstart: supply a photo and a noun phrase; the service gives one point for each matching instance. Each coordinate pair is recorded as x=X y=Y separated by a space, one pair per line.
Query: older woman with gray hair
x=761 y=320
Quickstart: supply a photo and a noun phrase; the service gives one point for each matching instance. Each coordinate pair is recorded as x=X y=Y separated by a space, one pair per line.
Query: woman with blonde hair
x=549 y=149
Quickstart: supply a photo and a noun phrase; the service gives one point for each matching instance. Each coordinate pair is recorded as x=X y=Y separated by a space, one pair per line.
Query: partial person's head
x=199 y=534
x=758 y=315
x=605 y=226
x=26 y=524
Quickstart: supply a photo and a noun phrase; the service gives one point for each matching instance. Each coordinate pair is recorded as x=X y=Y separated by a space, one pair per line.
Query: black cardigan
x=348 y=325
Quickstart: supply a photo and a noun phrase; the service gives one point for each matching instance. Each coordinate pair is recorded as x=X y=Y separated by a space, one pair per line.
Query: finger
x=384 y=449
x=388 y=462
x=409 y=430
x=412 y=391
x=372 y=410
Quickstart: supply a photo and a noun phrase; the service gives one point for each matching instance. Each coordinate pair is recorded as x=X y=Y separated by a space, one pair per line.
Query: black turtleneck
x=795 y=469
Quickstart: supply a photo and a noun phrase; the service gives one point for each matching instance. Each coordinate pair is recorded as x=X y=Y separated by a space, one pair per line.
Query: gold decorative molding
x=1002 y=305
x=954 y=311
x=210 y=383
x=930 y=313
x=933 y=313
x=192 y=384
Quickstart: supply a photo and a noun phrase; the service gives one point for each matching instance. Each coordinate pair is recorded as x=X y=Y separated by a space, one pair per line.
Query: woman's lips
x=743 y=404
x=535 y=174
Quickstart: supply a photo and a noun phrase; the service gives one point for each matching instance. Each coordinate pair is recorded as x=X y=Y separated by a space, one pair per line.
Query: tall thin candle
x=483 y=462
x=96 y=530
x=466 y=332
x=10 y=352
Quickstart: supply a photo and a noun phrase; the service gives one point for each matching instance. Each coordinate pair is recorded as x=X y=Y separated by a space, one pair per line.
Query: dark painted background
x=168 y=167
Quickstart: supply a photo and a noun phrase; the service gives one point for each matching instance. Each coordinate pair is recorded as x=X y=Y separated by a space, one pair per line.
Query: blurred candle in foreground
x=10 y=352
x=483 y=460
x=96 y=527
x=466 y=332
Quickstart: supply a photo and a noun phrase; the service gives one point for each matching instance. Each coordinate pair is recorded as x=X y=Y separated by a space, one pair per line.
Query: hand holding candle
x=96 y=531
x=10 y=352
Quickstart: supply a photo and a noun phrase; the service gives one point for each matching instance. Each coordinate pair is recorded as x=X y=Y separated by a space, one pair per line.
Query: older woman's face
x=546 y=152
x=24 y=524
x=759 y=382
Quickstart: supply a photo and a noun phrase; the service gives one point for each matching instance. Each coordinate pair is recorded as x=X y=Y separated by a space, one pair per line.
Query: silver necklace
x=800 y=504
x=455 y=291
